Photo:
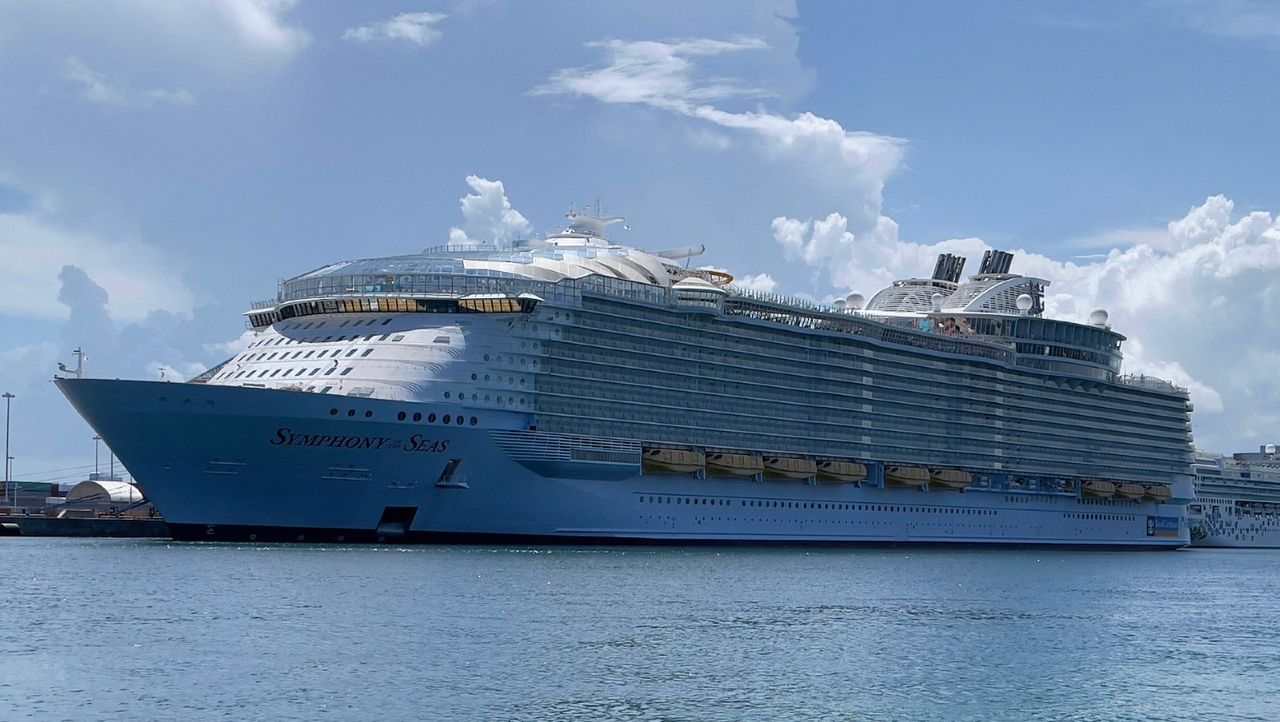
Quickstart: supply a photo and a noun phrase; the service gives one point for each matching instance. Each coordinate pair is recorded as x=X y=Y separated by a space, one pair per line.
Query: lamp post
x=8 y=398
x=96 y=439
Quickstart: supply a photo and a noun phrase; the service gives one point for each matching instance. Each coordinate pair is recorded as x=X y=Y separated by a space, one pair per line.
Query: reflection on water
x=127 y=629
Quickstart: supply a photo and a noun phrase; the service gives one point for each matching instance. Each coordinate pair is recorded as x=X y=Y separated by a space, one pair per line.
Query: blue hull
x=234 y=463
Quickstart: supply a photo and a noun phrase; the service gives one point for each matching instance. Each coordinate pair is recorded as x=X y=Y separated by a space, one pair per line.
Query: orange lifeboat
x=789 y=467
x=1098 y=487
x=949 y=479
x=906 y=476
x=678 y=461
x=1130 y=491
x=725 y=463
x=834 y=471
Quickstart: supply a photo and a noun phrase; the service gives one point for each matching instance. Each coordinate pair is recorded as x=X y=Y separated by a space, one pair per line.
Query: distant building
x=100 y=495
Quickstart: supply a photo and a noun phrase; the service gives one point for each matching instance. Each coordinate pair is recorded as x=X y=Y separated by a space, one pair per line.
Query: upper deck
x=996 y=316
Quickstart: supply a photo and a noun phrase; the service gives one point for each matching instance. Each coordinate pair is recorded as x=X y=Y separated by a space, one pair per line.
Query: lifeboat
x=949 y=479
x=1158 y=492
x=906 y=476
x=1130 y=491
x=724 y=463
x=841 y=472
x=1098 y=487
x=678 y=461
x=789 y=467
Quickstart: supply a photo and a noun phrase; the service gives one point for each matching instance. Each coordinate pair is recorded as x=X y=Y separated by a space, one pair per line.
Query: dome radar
x=855 y=301
x=1098 y=318
x=1024 y=304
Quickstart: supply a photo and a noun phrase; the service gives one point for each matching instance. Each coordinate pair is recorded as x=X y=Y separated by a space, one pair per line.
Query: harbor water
x=155 y=630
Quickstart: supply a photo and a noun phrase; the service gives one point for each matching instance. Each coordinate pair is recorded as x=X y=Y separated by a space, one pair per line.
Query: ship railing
x=263 y=304
x=1150 y=383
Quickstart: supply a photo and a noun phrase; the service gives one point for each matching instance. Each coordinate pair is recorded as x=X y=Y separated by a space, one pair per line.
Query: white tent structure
x=103 y=493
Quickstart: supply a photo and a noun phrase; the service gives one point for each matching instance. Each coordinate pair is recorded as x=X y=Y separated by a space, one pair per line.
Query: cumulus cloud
x=221 y=34
x=849 y=163
x=36 y=250
x=1200 y=310
x=413 y=28
x=99 y=88
x=759 y=282
x=487 y=215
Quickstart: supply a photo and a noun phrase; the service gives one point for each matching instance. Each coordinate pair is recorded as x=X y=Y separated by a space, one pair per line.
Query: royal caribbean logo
x=415 y=443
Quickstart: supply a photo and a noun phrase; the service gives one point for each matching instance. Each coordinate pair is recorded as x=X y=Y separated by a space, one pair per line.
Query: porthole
x=431 y=418
x=486 y=357
x=475 y=377
x=400 y=416
x=447 y=418
x=351 y=412
x=460 y=420
x=368 y=414
x=417 y=416
x=474 y=421
x=446 y=395
x=333 y=412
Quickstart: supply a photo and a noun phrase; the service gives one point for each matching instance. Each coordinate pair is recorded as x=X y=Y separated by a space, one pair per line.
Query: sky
x=162 y=165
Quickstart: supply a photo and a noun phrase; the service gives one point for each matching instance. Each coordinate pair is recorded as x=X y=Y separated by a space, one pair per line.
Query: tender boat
x=1158 y=492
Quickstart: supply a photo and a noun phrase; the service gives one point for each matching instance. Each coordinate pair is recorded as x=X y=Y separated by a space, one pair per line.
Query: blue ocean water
x=154 y=630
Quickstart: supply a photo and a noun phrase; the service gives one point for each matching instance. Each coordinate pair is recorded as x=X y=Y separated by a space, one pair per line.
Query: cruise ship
x=1237 y=500
x=571 y=389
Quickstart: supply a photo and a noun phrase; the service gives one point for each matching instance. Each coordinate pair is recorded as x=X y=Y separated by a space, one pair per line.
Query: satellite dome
x=1024 y=303
x=937 y=299
x=855 y=301
x=1270 y=449
x=839 y=304
x=1098 y=317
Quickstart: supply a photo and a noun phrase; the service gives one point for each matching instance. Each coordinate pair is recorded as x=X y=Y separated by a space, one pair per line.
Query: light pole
x=13 y=502
x=96 y=439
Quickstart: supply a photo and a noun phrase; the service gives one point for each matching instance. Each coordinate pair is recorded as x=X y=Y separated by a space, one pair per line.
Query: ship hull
x=241 y=464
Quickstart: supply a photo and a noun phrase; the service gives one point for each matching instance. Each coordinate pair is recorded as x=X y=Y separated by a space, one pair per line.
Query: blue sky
x=179 y=158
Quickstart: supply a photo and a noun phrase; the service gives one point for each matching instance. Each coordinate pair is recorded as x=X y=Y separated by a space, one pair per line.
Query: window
x=346 y=371
x=366 y=352
x=417 y=416
x=447 y=418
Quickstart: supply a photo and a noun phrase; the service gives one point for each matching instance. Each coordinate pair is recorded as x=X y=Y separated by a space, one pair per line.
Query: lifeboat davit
x=1130 y=491
x=789 y=467
x=724 y=463
x=906 y=476
x=1098 y=487
x=1158 y=492
x=679 y=461
x=841 y=472
x=949 y=479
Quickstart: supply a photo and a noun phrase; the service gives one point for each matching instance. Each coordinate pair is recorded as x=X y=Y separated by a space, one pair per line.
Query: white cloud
x=99 y=88
x=759 y=282
x=137 y=276
x=1228 y=18
x=261 y=24
x=487 y=215
x=413 y=28
x=224 y=35
x=820 y=152
x=1202 y=311
x=230 y=348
